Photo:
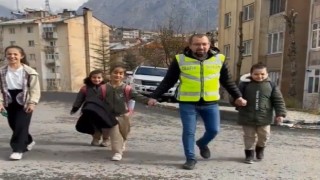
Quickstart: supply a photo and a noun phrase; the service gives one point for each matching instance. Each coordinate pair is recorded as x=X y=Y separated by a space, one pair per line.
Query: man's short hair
x=197 y=36
x=257 y=66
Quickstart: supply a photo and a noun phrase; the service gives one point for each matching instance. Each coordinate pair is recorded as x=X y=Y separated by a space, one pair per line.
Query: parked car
x=145 y=79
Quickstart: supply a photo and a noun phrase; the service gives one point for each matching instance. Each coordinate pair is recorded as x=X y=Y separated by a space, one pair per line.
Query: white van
x=145 y=79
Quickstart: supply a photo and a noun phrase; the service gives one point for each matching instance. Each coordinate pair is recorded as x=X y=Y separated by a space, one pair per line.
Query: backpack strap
x=83 y=90
x=102 y=87
x=103 y=91
x=127 y=90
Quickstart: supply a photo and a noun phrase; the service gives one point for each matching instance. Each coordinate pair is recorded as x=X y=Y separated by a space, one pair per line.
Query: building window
x=52 y=56
x=275 y=43
x=274 y=76
x=30 y=29
x=12 y=31
x=315 y=35
x=49 y=29
x=247 y=48
x=227 y=50
x=53 y=83
x=32 y=56
x=277 y=6
x=314 y=81
x=12 y=43
x=248 y=12
x=227 y=20
x=31 y=43
x=52 y=43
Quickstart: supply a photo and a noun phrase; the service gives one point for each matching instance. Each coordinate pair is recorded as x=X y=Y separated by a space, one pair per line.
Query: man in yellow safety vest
x=201 y=70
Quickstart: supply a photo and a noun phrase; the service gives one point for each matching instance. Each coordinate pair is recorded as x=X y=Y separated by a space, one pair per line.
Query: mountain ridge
x=191 y=15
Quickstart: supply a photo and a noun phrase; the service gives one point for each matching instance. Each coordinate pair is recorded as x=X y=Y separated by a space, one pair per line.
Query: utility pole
x=208 y=20
x=17 y=4
x=240 y=48
x=47 y=6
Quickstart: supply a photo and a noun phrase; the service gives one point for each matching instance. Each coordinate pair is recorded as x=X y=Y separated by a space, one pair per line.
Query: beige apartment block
x=59 y=47
x=266 y=38
x=312 y=78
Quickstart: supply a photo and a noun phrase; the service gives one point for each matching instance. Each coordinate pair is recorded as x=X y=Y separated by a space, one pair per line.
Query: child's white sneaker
x=16 y=156
x=124 y=146
x=95 y=142
x=31 y=145
x=104 y=143
x=116 y=157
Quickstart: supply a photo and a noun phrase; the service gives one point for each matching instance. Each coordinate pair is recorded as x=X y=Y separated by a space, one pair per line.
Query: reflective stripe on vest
x=199 y=79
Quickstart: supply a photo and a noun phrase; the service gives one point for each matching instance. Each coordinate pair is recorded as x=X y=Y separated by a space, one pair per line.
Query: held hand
x=278 y=120
x=1 y=107
x=30 y=108
x=240 y=102
x=152 y=102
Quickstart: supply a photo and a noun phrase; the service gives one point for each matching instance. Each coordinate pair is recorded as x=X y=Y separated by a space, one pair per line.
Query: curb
x=232 y=116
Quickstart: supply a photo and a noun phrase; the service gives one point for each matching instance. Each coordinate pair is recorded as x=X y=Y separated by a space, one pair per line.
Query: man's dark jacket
x=173 y=75
x=95 y=110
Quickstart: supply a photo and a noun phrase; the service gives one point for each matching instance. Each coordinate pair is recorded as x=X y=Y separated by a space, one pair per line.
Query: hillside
x=192 y=15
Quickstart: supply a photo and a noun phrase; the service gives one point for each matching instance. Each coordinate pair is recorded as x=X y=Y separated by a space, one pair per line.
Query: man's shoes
x=16 y=156
x=204 y=151
x=116 y=157
x=31 y=145
x=189 y=164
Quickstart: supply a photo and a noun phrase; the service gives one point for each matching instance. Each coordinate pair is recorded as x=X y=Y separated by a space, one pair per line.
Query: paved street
x=154 y=150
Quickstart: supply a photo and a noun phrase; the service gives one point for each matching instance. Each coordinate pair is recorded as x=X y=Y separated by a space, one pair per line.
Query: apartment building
x=266 y=39
x=120 y=34
x=312 y=79
x=59 y=47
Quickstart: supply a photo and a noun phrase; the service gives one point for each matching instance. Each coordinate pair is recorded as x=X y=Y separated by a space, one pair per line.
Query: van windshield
x=151 y=71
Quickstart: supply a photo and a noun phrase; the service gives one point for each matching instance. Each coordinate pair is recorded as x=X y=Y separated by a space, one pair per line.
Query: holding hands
x=152 y=102
x=278 y=120
x=240 y=102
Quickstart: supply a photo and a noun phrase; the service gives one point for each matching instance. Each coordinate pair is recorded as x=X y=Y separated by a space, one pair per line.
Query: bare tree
x=102 y=51
x=240 y=48
x=292 y=50
x=171 y=41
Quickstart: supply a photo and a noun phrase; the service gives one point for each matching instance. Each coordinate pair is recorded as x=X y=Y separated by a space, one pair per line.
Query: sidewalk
x=294 y=119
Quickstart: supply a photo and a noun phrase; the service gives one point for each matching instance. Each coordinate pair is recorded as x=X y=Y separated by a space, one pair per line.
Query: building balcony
x=53 y=62
x=50 y=35
x=50 y=49
x=53 y=76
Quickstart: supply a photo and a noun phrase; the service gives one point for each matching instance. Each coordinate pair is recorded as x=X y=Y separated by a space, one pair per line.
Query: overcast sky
x=37 y=4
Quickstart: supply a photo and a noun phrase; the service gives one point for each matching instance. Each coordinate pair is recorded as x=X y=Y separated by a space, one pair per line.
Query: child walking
x=117 y=96
x=93 y=87
x=20 y=92
x=263 y=97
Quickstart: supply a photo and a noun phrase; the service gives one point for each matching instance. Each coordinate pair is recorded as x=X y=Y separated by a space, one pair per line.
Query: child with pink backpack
x=119 y=98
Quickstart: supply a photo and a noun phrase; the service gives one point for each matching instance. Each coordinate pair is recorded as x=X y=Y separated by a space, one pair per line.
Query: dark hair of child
x=257 y=66
x=87 y=80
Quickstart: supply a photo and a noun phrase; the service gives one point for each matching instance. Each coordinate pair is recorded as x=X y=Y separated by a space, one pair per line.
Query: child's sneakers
x=116 y=157
x=16 y=156
x=95 y=142
x=249 y=156
x=31 y=145
x=104 y=143
x=124 y=146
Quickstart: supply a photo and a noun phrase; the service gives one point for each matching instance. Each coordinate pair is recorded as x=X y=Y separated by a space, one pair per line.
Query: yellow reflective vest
x=199 y=79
